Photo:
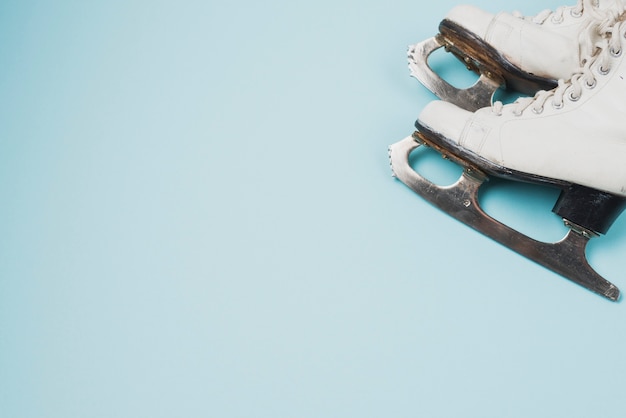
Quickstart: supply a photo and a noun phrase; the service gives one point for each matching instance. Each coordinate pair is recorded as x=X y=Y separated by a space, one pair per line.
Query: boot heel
x=590 y=208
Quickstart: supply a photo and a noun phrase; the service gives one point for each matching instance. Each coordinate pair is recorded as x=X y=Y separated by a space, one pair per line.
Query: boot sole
x=481 y=57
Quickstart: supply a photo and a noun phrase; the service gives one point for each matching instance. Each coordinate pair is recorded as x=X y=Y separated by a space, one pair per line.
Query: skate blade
x=460 y=200
x=472 y=98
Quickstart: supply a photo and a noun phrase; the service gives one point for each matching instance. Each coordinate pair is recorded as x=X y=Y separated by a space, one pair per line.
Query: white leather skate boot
x=573 y=136
x=523 y=53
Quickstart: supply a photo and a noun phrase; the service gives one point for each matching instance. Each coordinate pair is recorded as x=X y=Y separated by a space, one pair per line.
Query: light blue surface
x=198 y=220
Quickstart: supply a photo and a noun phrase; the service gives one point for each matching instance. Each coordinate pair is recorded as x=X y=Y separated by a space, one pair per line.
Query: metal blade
x=460 y=200
x=473 y=98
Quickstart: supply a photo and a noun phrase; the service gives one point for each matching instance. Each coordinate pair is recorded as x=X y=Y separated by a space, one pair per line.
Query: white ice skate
x=526 y=54
x=572 y=137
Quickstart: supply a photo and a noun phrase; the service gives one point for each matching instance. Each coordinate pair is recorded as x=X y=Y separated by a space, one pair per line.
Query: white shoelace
x=605 y=43
x=557 y=15
x=593 y=12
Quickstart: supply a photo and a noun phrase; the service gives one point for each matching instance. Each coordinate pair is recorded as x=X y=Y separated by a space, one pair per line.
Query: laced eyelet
x=576 y=14
x=603 y=71
x=615 y=53
x=572 y=97
x=537 y=111
x=590 y=85
x=557 y=20
x=557 y=106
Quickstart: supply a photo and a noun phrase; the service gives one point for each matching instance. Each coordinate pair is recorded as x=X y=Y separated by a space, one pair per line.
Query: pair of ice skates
x=571 y=134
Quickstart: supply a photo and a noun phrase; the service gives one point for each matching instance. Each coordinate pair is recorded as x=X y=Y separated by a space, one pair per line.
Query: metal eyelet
x=603 y=71
x=557 y=106
x=592 y=85
x=537 y=111
x=557 y=20
x=615 y=53
x=572 y=97
x=576 y=14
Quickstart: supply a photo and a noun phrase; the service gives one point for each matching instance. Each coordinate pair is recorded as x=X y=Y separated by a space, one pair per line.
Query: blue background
x=198 y=220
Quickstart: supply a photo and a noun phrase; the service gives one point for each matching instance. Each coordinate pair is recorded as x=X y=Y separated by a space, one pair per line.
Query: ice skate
x=526 y=54
x=572 y=137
